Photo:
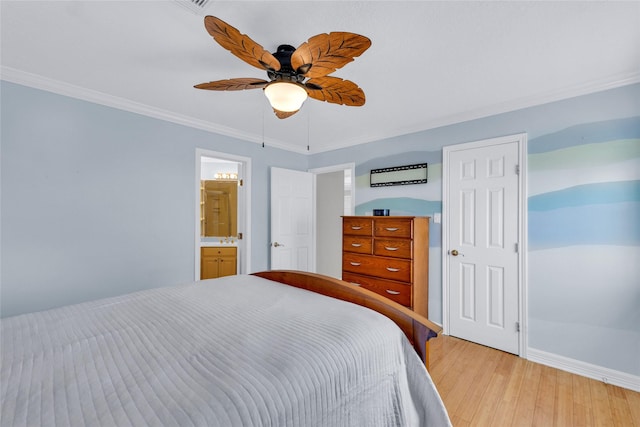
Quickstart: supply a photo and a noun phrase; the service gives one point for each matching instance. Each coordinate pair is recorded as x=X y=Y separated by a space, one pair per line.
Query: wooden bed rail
x=418 y=329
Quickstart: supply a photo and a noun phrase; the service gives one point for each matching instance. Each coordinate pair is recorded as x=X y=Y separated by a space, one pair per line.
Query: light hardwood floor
x=481 y=386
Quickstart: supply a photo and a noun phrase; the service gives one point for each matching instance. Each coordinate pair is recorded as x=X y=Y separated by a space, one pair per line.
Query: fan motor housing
x=286 y=72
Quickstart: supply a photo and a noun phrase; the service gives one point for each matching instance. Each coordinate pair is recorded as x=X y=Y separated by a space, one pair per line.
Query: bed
x=247 y=350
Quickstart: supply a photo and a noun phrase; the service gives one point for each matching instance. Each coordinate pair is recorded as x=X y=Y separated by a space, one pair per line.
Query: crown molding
x=39 y=82
x=500 y=108
x=66 y=89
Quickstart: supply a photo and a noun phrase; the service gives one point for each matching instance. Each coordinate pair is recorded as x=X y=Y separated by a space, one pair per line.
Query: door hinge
x=241 y=182
x=517 y=326
x=517 y=247
x=239 y=236
x=517 y=169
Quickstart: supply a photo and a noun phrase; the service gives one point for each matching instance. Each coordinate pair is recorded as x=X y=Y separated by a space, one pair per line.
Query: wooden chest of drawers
x=390 y=256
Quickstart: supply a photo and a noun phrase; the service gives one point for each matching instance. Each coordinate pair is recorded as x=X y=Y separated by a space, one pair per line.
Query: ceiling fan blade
x=336 y=91
x=240 y=44
x=324 y=53
x=284 y=114
x=233 y=84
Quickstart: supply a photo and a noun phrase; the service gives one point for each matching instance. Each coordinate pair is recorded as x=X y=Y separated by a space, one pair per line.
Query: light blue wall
x=99 y=202
x=583 y=208
x=584 y=245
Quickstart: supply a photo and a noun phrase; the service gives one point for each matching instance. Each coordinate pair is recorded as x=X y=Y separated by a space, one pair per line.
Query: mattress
x=234 y=351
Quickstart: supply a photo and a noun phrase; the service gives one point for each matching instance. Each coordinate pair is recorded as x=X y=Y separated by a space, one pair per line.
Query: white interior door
x=291 y=220
x=483 y=236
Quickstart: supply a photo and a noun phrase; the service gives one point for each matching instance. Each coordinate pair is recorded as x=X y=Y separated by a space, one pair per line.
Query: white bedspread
x=236 y=351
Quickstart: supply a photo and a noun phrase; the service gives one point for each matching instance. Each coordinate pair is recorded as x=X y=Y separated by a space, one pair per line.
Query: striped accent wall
x=584 y=243
x=583 y=237
x=586 y=193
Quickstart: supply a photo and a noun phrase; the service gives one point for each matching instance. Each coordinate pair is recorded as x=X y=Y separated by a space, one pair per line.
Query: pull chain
x=308 y=128
x=263 y=128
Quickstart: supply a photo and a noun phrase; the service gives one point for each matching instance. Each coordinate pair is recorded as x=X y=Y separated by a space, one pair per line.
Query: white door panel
x=291 y=219
x=482 y=259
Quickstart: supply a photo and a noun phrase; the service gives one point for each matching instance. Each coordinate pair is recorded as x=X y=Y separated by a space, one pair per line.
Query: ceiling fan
x=293 y=73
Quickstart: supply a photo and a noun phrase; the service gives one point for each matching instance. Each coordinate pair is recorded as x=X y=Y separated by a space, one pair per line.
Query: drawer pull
x=392 y=228
x=393 y=270
x=390 y=292
x=356 y=245
x=356 y=227
x=355 y=284
x=387 y=248
x=354 y=263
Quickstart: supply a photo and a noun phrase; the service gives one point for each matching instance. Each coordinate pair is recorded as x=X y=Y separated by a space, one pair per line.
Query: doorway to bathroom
x=222 y=220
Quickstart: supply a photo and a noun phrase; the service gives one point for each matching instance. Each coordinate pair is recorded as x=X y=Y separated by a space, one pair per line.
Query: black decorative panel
x=399 y=175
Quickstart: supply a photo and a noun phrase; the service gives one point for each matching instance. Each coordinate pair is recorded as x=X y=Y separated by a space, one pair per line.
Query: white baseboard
x=606 y=375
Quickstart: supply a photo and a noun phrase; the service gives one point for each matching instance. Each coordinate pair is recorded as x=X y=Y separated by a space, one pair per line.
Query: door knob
x=276 y=244
x=454 y=252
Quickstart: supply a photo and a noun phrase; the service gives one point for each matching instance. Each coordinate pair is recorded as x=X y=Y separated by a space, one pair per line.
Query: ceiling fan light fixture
x=285 y=96
x=294 y=73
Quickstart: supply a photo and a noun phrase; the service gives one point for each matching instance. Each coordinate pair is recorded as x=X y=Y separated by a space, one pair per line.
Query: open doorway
x=222 y=220
x=334 y=197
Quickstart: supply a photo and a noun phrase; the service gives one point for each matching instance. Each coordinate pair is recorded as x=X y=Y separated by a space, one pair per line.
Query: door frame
x=244 y=209
x=330 y=169
x=336 y=168
x=521 y=140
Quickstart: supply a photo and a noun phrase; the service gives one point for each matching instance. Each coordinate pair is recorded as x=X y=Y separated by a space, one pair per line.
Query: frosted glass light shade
x=284 y=96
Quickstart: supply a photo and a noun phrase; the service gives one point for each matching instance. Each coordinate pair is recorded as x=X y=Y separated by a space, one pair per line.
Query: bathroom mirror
x=218 y=198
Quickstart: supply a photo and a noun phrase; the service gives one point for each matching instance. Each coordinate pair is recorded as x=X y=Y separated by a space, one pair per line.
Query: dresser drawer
x=392 y=247
x=393 y=227
x=362 y=245
x=358 y=226
x=385 y=267
x=396 y=291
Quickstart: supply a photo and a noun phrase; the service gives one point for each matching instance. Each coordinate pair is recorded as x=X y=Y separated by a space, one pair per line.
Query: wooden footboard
x=417 y=328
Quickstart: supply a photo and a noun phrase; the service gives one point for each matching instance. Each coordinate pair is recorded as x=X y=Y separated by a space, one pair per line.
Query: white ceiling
x=430 y=64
